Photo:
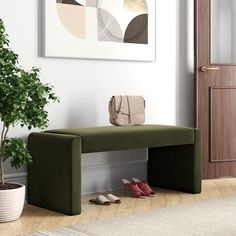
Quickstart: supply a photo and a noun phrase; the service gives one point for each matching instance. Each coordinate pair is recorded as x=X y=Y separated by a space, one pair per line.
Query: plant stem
x=2 y=151
x=2 y=134
x=1 y=171
x=1 y=156
x=5 y=135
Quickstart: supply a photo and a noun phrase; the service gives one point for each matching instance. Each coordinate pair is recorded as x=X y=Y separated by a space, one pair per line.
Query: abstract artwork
x=100 y=29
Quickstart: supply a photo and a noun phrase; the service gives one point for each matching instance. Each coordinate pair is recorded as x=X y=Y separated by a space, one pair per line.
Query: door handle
x=206 y=68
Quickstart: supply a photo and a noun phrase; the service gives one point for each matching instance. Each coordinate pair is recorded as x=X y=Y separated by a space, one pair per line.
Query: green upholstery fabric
x=54 y=178
x=176 y=167
x=110 y=138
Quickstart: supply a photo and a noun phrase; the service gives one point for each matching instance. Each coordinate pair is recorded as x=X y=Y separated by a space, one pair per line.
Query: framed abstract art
x=100 y=29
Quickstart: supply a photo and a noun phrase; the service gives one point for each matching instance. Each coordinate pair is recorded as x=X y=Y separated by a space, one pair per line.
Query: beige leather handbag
x=127 y=110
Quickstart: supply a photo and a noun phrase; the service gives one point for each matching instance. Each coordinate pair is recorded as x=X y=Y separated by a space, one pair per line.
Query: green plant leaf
x=23 y=98
x=17 y=152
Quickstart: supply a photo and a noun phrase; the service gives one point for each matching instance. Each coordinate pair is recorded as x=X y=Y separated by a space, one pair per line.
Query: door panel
x=222 y=124
x=215 y=85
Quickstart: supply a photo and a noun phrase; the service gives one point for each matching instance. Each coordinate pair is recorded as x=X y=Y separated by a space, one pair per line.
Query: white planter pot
x=11 y=203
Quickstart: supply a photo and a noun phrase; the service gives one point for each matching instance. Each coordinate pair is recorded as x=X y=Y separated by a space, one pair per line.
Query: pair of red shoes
x=137 y=188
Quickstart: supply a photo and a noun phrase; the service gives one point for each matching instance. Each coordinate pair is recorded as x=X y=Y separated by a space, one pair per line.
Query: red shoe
x=143 y=185
x=133 y=189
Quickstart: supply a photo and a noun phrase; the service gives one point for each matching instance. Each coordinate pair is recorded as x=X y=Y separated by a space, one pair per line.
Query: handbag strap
x=119 y=109
x=129 y=115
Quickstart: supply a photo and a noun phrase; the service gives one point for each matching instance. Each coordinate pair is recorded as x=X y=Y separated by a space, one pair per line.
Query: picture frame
x=100 y=29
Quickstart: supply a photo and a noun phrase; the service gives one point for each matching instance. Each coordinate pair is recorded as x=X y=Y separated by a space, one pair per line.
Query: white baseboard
x=16 y=178
x=99 y=178
x=104 y=178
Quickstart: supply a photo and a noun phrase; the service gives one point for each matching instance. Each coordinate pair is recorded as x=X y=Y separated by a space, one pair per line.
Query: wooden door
x=215 y=85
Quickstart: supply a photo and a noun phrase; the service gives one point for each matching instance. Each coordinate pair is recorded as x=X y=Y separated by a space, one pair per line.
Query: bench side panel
x=176 y=167
x=54 y=178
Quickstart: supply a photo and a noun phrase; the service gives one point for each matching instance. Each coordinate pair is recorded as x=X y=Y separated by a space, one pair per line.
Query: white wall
x=185 y=63
x=85 y=86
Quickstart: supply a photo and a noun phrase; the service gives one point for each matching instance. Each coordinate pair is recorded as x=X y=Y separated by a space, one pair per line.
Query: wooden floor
x=34 y=218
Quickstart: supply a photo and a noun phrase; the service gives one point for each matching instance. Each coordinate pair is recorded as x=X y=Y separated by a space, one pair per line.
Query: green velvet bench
x=54 y=178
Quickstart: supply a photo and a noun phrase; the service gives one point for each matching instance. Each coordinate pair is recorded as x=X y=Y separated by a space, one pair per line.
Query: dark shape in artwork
x=71 y=2
x=137 y=30
x=108 y=27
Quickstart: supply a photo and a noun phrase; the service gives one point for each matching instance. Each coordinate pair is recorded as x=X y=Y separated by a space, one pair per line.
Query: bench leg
x=176 y=167
x=54 y=178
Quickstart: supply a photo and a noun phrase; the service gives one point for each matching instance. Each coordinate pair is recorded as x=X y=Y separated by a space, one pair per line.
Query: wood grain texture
x=222 y=124
x=34 y=218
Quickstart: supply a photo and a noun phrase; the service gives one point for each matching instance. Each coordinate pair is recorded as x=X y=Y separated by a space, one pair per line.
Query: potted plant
x=22 y=102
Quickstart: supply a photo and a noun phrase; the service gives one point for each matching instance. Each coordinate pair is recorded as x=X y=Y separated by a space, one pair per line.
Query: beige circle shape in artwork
x=139 y=6
x=73 y=18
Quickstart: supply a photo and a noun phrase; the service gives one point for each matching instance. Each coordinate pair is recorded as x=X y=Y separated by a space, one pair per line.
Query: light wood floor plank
x=159 y=200
x=127 y=206
x=201 y=196
x=211 y=189
x=172 y=198
x=224 y=187
x=142 y=205
x=186 y=198
x=232 y=184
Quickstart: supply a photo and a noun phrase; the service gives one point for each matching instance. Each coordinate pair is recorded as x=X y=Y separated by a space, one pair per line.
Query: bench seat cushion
x=110 y=138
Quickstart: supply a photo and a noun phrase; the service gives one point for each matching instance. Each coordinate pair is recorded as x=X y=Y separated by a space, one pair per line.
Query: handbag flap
x=121 y=104
x=136 y=104
x=129 y=104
